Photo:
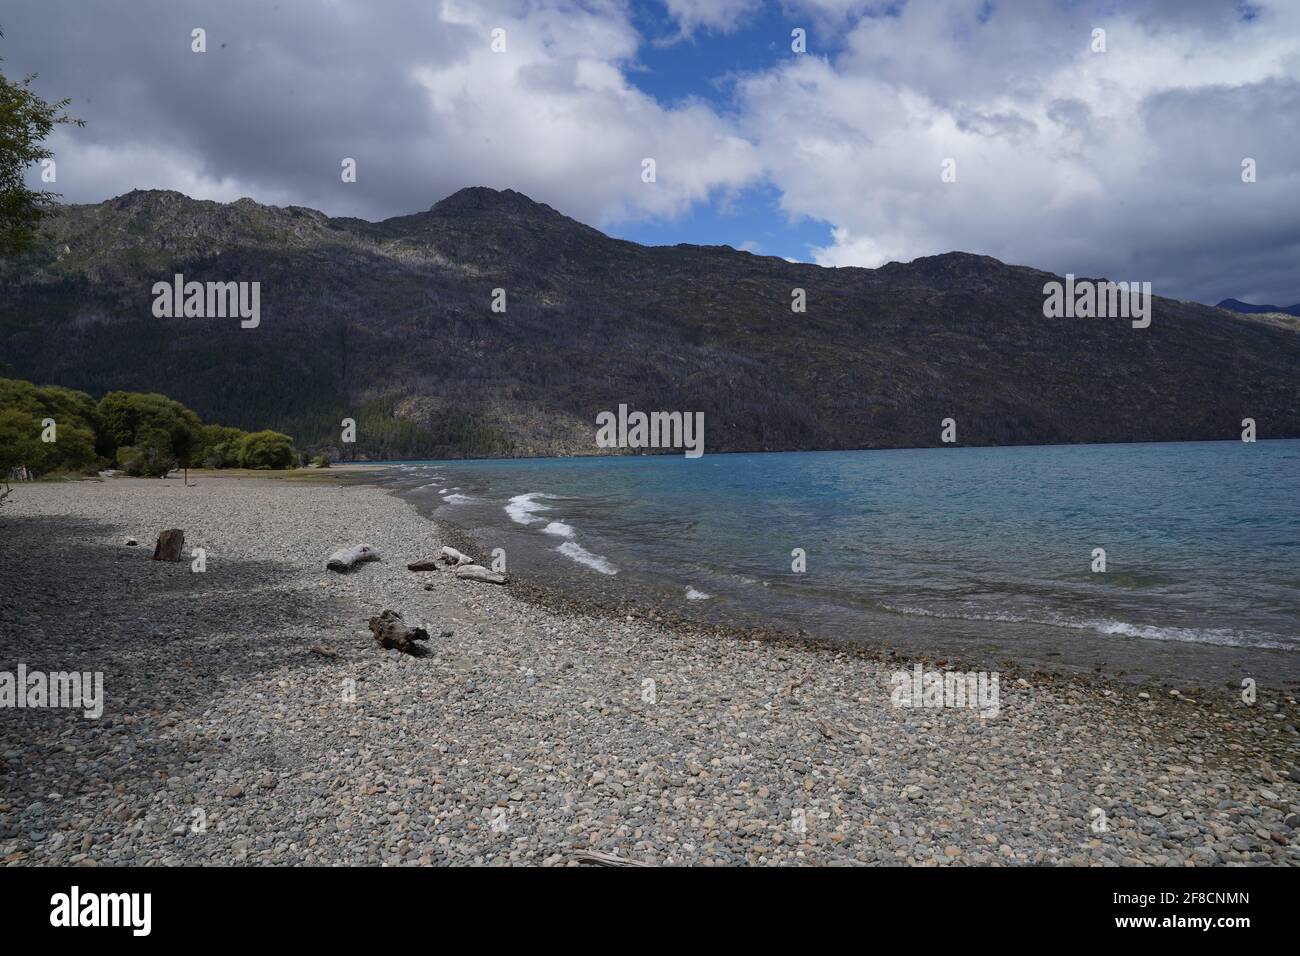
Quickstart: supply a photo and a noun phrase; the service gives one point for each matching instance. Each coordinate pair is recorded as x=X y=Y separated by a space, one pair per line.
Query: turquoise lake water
x=987 y=550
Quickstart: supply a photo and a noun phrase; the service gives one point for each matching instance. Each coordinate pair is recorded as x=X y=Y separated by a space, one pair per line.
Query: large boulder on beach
x=169 y=546
x=345 y=559
x=391 y=631
x=476 y=572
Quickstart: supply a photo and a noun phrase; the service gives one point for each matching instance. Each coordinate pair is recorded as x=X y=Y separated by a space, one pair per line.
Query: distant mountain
x=1236 y=305
x=390 y=323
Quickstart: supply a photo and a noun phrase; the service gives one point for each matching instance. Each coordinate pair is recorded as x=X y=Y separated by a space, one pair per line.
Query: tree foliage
x=26 y=409
x=219 y=446
x=50 y=429
x=267 y=449
x=26 y=120
x=20 y=441
x=148 y=434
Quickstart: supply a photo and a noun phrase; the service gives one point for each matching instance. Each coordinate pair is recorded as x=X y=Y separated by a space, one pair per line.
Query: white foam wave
x=559 y=529
x=576 y=552
x=522 y=508
x=694 y=595
x=1191 y=635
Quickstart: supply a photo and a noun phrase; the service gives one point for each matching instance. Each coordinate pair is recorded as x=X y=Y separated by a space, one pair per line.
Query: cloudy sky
x=1125 y=163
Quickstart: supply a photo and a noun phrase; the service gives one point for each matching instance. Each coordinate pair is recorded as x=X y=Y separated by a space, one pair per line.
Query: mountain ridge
x=390 y=323
x=1236 y=305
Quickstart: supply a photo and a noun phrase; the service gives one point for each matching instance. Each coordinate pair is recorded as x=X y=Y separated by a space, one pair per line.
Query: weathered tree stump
x=391 y=631
x=169 y=545
x=345 y=559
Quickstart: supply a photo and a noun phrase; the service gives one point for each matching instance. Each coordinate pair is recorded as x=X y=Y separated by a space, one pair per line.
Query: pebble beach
x=250 y=718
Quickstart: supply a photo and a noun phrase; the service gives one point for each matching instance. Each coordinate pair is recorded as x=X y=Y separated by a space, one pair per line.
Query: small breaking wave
x=694 y=595
x=522 y=509
x=576 y=552
x=1222 y=637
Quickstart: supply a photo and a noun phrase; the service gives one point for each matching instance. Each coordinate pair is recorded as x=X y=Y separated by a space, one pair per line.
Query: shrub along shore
x=51 y=430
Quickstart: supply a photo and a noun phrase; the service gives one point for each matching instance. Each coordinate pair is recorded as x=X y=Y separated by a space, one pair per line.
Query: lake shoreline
x=555 y=597
x=1173 y=610
x=531 y=735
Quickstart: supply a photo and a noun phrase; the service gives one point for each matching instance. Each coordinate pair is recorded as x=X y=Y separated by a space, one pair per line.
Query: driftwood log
x=476 y=572
x=169 y=545
x=597 y=858
x=345 y=559
x=391 y=631
x=452 y=556
x=423 y=566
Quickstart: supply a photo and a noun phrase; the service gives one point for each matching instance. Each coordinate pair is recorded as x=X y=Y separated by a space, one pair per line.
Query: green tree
x=267 y=449
x=20 y=442
x=151 y=457
x=149 y=434
x=185 y=444
x=20 y=395
x=219 y=446
x=73 y=415
x=25 y=122
x=73 y=449
x=224 y=454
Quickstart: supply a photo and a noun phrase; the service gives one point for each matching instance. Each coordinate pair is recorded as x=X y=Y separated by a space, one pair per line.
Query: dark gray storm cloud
x=284 y=92
x=1125 y=163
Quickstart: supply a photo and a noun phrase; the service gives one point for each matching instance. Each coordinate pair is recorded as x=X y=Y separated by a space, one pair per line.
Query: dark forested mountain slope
x=390 y=323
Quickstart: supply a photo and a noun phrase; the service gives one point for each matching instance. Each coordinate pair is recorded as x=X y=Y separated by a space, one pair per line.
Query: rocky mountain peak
x=484 y=199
